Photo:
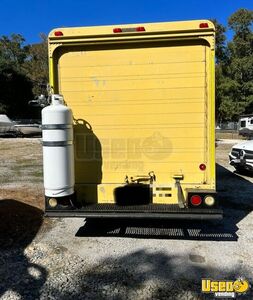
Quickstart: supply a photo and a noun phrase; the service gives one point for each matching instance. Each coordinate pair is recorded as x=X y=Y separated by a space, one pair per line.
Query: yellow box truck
x=142 y=99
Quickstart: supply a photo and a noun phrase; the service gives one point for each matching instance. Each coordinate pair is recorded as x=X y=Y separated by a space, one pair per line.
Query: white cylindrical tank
x=58 y=152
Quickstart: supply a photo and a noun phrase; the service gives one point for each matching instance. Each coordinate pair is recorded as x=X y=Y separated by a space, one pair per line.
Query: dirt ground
x=21 y=170
x=116 y=260
x=21 y=189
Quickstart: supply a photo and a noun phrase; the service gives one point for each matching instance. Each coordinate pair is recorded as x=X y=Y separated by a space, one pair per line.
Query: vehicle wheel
x=240 y=169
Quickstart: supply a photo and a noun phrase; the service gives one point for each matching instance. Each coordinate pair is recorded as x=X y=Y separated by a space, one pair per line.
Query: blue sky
x=31 y=17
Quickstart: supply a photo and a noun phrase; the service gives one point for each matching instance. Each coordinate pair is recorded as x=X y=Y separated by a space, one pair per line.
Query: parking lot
x=97 y=259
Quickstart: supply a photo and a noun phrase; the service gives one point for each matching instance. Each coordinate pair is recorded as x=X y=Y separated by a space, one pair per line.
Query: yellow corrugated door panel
x=139 y=110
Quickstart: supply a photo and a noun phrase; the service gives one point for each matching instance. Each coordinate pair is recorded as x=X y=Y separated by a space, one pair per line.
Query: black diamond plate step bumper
x=162 y=211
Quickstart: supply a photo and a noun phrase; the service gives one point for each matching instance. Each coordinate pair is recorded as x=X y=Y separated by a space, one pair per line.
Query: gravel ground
x=97 y=259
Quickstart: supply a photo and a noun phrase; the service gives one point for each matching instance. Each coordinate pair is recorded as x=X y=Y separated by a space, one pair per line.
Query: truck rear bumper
x=156 y=211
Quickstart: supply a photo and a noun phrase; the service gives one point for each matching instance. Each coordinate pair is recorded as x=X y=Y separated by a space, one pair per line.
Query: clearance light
x=209 y=200
x=58 y=33
x=203 y=25
x=117 y=30
x=196 y=200
x=52 y=202
x=138 y=29
x=202 y=167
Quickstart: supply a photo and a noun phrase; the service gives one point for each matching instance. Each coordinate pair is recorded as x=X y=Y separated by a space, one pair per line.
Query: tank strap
x=57 y=144
x=56 y=126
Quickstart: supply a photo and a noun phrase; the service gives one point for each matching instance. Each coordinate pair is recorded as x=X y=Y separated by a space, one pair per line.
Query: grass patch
x=37 y=174
x=7 y=179
x=22 y=167
x=5 y=149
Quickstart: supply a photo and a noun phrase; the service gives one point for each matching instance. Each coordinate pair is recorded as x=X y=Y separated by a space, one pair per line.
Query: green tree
x=240 y=68
x=224 y=107
x=3 y=107
x=15 y=92
x=13 y=53
x=16 y=88
x=36 y=65
x=23 y=74
x=240 y=22
x=234 y=72
x=220 y=42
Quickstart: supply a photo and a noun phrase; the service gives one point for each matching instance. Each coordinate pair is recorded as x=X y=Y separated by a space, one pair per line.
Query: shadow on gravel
x=157 y=229
x=235 y=196
x=244 y=173
x=146 y=275
x=19 y=224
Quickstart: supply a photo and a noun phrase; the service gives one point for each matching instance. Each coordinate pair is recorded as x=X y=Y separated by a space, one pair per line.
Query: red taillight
x=203 y=25
x=116 y=30
x=140 y=28
x=196 y=200
x=58 y=33
x=202 y=167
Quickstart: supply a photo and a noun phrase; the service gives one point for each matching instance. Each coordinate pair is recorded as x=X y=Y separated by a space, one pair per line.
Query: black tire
x=240 y=170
